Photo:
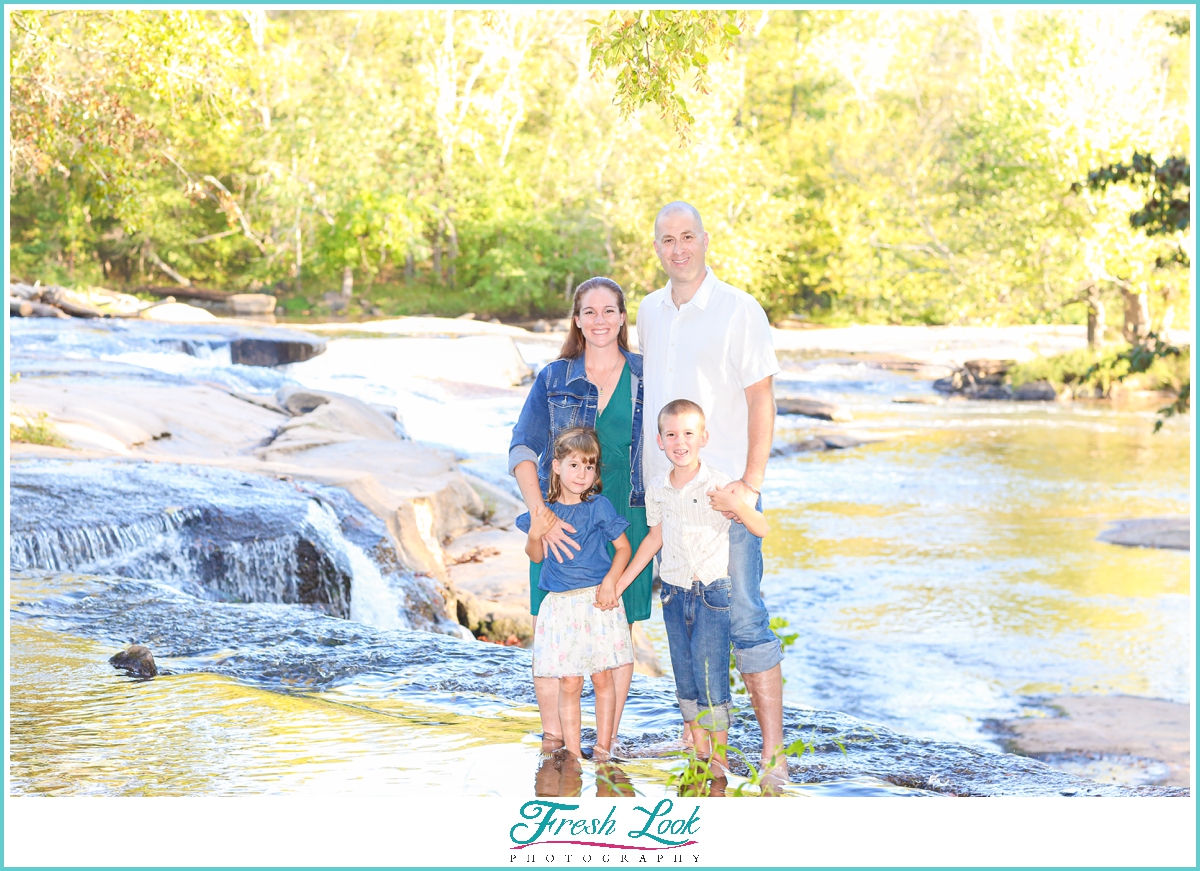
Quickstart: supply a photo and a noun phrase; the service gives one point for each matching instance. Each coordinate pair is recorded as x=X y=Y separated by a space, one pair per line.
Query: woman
x=595 y=382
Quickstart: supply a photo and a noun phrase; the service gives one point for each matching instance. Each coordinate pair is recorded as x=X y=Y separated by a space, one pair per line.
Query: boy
x=683 y=511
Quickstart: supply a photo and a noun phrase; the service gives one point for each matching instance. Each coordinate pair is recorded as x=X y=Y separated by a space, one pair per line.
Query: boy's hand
x=606 y=595
x=728 y=501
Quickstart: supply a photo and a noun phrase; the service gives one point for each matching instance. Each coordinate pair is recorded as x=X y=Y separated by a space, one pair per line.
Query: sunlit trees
x=876 y=164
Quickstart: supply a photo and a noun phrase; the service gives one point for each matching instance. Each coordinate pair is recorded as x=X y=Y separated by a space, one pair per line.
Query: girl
x=573 y=637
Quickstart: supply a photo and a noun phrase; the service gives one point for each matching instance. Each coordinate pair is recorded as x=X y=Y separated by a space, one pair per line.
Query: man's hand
x=556 y=539
x=721 y=500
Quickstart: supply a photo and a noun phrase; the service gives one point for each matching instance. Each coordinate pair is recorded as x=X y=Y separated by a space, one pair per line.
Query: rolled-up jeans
x=697 y=620
x=755 y=646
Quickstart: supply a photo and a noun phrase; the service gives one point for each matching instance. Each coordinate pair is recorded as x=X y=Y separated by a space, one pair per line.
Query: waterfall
x=372 y=600
x=92 y=548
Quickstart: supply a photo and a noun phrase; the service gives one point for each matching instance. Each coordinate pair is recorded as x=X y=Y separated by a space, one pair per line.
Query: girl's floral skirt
x=575 y=638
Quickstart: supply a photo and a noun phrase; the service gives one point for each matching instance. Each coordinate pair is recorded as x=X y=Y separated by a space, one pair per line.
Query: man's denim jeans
x=698 y=634
x=755 y=646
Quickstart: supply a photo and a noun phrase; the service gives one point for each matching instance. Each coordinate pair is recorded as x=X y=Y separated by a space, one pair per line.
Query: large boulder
x=811 y=408
x=1035 y=391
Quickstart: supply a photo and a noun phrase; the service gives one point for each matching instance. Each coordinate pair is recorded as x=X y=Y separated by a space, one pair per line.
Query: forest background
x=884 y=165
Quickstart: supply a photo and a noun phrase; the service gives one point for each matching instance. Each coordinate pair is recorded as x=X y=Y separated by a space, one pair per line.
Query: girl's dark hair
x=575 y=440
x=575 y=343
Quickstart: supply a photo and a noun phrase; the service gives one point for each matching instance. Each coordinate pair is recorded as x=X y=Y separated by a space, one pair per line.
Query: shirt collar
x=576 y=368
x=703 y=292
x=702 y=477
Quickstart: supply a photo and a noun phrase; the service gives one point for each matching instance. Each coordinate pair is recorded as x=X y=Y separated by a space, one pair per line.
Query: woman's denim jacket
x=563 y=397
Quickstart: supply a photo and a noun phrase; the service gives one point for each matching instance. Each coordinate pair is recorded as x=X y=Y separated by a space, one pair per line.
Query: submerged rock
x=1173 y=533
x=1035 y=391
x=811 y=408
x=137 y=660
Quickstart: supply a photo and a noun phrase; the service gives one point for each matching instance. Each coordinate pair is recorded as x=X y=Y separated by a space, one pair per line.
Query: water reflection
x=940 y=575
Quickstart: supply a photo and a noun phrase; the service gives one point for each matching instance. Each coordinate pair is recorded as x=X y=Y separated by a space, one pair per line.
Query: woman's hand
x=556 y=540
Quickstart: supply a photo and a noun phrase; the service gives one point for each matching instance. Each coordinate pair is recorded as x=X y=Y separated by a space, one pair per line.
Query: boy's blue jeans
x=755 y=646
x=698 y=634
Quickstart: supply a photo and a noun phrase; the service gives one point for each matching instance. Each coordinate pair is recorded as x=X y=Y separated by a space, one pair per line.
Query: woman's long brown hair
x=575 y=343
x=575 y=440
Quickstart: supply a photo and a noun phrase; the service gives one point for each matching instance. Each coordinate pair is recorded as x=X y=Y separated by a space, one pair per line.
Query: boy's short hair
x=679 y=406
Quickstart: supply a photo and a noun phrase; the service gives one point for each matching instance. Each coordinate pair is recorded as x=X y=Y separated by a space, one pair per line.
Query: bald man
x=711 y=343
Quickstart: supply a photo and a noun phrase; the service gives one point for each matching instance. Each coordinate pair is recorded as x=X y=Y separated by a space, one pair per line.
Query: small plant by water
x=786 y=640
x=698 y=777
x=36 y=432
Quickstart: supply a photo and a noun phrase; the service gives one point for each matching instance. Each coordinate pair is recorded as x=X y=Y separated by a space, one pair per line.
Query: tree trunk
x=1095 y=317
x=410 y=268
x=1137 y=318
x=347 y=282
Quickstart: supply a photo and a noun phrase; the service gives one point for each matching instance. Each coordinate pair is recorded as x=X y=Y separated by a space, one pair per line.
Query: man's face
x=681 y=437
x=681 y=246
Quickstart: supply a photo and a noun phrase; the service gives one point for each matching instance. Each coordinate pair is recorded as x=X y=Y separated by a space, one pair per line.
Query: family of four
x=622 y=457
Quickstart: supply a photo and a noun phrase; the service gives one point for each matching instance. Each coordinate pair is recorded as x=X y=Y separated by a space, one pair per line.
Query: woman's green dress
x=614 y=427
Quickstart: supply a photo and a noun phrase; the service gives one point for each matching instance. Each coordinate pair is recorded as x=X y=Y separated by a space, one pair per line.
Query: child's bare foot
x=599 y=754
x=551 y=743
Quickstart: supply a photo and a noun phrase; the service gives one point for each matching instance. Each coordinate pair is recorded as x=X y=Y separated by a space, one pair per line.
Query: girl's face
x=600 y=317
x=577 y=474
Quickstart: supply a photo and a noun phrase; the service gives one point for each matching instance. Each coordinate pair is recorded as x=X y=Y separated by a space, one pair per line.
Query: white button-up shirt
x=695 y=536
x=708 y=350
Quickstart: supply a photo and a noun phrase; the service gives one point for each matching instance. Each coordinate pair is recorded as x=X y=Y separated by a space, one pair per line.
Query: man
x=711 y=343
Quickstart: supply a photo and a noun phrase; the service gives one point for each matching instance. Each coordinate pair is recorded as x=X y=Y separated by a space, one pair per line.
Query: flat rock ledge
x=1171 y=533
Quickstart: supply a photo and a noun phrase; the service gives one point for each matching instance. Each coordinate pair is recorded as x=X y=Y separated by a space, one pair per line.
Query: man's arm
x=760 y=409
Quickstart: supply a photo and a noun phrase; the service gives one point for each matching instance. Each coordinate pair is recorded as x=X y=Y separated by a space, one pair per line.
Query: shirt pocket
x=565 y=412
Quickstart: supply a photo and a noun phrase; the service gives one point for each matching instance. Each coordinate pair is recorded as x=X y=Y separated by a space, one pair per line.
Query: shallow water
x=936 y=579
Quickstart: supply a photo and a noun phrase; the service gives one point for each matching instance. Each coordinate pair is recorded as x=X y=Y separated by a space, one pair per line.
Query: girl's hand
x=555 y=539
x=606 y=595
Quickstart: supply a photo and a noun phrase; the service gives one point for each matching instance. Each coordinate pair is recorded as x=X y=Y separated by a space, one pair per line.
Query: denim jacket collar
x=577 y=368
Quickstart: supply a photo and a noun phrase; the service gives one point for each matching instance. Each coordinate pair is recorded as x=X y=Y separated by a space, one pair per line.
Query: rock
x=645 y=657
x=1172 y=533
x=178 y=313
x=952 y=383
x=993 y=391
x=137 y=661
x=276 y=349
x=919 y=400
x=540 y=326
x=981 y=369
x=811 y=408
x=1116 y=728
x=252 y=303
x=300 y=400
x=329 y=418
x=1035 y=391
x=841 y=441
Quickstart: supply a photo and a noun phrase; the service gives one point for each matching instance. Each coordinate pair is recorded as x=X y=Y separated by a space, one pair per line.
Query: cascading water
x=219 y=535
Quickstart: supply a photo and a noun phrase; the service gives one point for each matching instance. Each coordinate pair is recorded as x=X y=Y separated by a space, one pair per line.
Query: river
x=941 y=575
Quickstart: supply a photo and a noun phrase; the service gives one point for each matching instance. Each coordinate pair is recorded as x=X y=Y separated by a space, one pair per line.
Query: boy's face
x=681 y=437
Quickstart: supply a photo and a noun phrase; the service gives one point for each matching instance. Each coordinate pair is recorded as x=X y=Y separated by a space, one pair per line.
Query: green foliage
x=654 y=49
x=1152 y=364
x=1169 y=208
x=871 y=165
x=38 y=432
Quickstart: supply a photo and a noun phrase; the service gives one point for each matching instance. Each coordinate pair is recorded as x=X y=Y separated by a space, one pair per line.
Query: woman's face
x=600 y=317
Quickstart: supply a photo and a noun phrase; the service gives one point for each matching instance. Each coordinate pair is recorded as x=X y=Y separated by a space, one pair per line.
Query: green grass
x=39 y=432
